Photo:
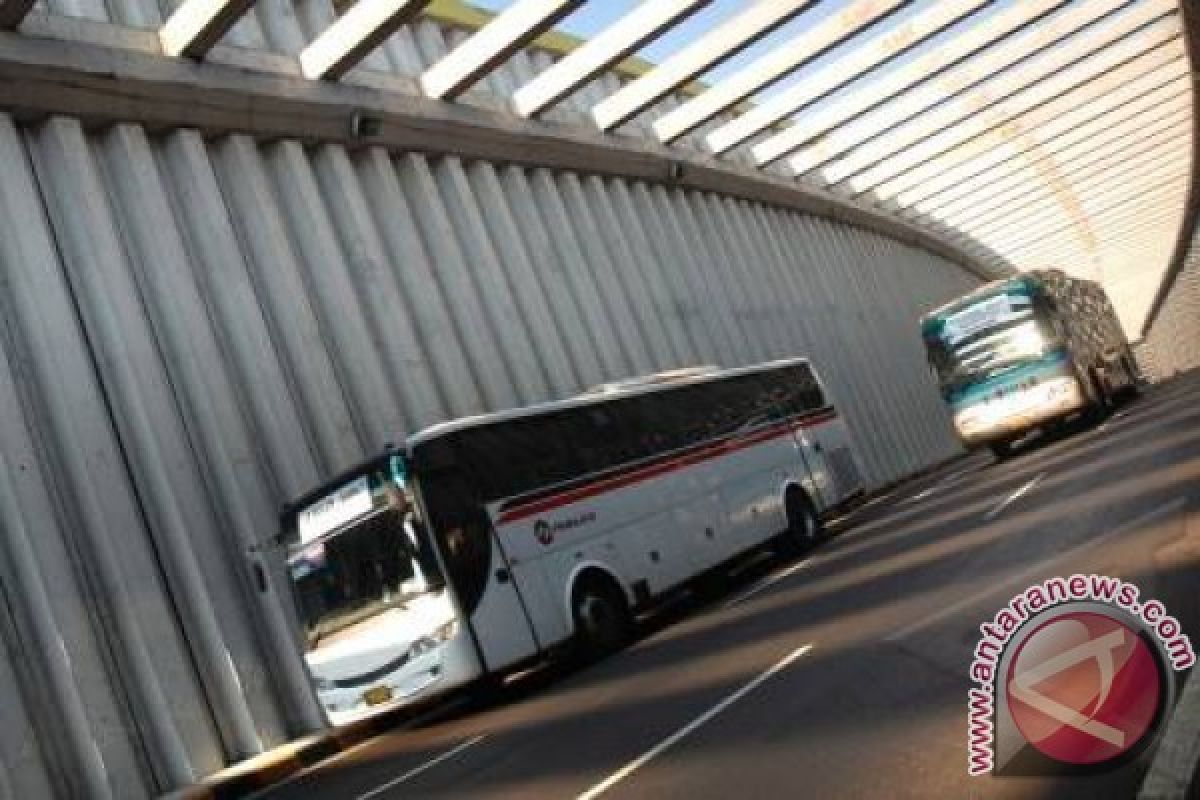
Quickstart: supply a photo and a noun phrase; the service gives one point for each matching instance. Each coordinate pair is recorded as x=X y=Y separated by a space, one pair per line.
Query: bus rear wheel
x=603 y=621
x=1001 y=449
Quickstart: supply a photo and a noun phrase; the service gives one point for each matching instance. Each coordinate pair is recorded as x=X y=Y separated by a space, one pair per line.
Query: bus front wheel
x=603 y=621
x=803 y=527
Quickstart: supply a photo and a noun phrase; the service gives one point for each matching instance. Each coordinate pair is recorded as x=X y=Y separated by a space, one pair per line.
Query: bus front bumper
x=448 y=666
x=1019 y=411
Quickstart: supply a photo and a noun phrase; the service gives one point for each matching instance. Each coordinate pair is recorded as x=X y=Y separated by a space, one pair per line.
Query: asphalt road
x=844 y=674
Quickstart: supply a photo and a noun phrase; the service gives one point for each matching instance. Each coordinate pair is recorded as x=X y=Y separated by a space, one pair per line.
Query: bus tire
x=601 y=614
x=804 y=529
x=1002 y=449
x=1102 y=403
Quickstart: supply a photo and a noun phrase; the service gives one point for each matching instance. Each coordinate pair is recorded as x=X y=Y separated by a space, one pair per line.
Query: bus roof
x=600 y=394
x=594 y=396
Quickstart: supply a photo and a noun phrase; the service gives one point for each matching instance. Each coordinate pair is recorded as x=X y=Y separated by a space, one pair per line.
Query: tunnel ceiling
x=1037 y=133
x=1033 y=133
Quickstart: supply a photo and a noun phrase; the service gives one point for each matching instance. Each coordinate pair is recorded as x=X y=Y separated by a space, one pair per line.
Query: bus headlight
x=440 y=634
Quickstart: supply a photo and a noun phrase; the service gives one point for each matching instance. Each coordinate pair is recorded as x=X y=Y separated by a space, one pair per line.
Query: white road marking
x=916 y=498
x=1014 y=497
x=876 y=500
x=691 y=727
x=944 y=482
x=766 y=582
x=415 y=771
x=1024 y=577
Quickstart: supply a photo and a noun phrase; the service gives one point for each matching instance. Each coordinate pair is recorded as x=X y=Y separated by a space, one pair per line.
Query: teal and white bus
x=1024 y=353
x=483 y=543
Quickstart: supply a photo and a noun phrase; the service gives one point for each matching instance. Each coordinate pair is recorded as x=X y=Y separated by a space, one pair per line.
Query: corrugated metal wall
x=1172 y=344
x=194 y=330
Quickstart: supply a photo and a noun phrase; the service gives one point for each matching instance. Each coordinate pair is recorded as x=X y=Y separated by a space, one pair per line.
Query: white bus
x=492 y=541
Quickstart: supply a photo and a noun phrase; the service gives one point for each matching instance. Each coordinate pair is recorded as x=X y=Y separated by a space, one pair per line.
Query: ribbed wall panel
x=1172 y=344
x=196 y=329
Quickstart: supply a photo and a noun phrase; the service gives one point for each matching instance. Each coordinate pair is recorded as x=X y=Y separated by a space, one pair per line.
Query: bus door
x=481 y=573
x=503 y=626
x=812 y=455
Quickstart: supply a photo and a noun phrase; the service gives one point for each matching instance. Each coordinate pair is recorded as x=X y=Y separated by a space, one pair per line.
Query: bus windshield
x=362 y=550
x=987 y=338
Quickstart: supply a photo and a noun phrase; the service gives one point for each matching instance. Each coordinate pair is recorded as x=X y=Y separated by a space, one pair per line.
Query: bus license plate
x=377 y=695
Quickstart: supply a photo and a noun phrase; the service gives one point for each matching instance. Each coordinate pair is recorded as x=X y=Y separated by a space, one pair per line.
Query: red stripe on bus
x=639 y=474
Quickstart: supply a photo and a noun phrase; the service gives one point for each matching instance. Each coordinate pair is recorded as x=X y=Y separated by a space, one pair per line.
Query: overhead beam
x=1151 y=47
x=1137 y=166
x=803 y=48
x=1031 y=223
x=1157 y=191
x=1011 y=66
x=1135 y=137
x=1129 y=86
x=492 y=45
x=1053 y=231
x=1125 y=224
x=1064 y=148
x=896 y=85
x=710 y=49
x=785 y=59
x=1128 y=233
x=12 y=12
x=638 y=26
x=358 y=31
x=197 y=25
x=1019 y=88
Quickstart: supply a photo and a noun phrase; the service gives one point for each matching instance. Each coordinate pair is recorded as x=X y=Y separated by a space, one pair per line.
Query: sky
x=596 y=15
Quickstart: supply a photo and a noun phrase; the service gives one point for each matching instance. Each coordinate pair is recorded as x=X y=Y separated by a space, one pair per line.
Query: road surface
x=844 y=674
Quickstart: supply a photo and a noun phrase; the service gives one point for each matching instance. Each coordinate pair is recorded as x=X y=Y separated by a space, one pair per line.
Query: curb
x=283 y=762
x=1176 y=766
x=1174 y=774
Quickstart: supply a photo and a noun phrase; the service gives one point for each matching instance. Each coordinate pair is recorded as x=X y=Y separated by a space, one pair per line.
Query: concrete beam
x=100 y=85
x=1007 y=67
x=879 y=49
x=807 y=46
x=638 y=26
x=1128 y=223
x=895 y=82
x=1090 y=52
x=354 y=35
x=1129 y=87
x=784 y=60
x=1134 y=166
x=1160 y=190
x=1128 y=217
x=1077 y=146
x=12 y=12
x=492 y=45
x=1126 y=232
x=1033 y=226
x=1154 y=46
x=711 y=48
x=1164 y=137
x=197 y=25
